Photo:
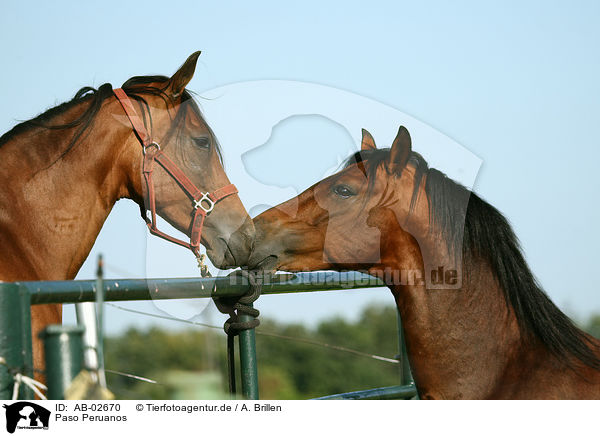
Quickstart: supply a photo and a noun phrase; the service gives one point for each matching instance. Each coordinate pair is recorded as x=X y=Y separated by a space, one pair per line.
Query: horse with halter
x=62 y=172
x=477 y=324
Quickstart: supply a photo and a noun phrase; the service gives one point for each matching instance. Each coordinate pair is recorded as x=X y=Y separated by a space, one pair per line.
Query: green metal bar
x=63 y=347
x=100 y=321
x=15 y=339
x=76 y=291
x=387 y=393
x=400 y=356
x=26 y=341
x=405 y=373
x=248 y=365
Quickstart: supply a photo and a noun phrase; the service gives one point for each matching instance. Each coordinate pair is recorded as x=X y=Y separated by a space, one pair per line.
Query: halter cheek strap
x=202 y=202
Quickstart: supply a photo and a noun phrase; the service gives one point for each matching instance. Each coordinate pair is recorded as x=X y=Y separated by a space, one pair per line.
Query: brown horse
x=62 y=172
x=477 y=323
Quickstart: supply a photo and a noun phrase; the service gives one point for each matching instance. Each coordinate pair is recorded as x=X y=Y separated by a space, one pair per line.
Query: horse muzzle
x=226 y=252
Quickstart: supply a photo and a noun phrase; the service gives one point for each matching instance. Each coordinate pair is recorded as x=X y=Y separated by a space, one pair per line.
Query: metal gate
x=16 y=299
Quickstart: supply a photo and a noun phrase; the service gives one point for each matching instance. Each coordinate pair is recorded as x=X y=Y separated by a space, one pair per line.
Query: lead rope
x=234 y=307
x=204 y=272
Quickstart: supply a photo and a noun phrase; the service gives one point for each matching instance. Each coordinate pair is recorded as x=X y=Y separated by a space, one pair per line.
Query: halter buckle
x=152 y=144
x=198 y=203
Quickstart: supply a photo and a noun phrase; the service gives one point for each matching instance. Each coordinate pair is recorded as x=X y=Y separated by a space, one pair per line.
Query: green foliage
x=156 y=352
x=288 y=369
x=317 y=371
x=276 y=383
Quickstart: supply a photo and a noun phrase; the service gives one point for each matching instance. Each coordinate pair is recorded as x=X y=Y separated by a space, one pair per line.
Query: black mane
x=136 y=88
x=459 y=215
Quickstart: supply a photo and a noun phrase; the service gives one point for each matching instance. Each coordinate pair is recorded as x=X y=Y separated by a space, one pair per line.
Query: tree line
x=191 y=363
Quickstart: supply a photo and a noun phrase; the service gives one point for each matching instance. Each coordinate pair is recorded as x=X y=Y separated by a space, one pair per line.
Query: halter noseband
x=203 y=202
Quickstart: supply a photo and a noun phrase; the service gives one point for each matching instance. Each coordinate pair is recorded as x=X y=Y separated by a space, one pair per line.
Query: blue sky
x=516 y=83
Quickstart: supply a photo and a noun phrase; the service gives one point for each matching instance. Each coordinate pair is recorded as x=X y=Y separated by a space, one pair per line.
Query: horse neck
x=53 y=212
x=460 y=340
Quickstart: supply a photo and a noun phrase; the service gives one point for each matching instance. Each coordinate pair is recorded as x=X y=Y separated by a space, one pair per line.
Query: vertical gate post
x=86 y=317
x=405 y=375
x=15 y=339
x=100 y=320
x=248 y=365
x=63 y=346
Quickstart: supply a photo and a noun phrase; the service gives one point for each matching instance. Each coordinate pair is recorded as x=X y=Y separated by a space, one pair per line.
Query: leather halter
x=203 y=203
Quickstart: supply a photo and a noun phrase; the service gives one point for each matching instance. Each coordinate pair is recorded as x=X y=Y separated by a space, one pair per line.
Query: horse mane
x=460 y=215
x=136 y=87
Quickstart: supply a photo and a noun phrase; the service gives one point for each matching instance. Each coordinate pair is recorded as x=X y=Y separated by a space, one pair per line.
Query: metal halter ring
x=205 y=197
x=152 y=144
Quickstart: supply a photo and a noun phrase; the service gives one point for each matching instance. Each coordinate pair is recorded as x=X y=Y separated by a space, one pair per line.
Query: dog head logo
x=26 y=415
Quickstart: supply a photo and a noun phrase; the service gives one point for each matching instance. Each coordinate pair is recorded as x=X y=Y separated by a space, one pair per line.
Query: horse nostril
x=239 y=246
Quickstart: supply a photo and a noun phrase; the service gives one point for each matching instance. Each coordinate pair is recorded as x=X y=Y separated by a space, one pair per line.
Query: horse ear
x=367 y=143
x=401 y=148
x=184 y=74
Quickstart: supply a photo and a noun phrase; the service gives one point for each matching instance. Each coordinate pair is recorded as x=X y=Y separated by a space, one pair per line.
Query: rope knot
x=236 y=306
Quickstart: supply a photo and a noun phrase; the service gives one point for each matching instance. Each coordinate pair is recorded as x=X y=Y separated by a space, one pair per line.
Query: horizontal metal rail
x=77 y=291
x=387 y=393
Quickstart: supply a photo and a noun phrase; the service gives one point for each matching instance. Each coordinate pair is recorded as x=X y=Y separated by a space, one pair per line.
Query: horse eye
x=202 y=142
x=343 y=191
